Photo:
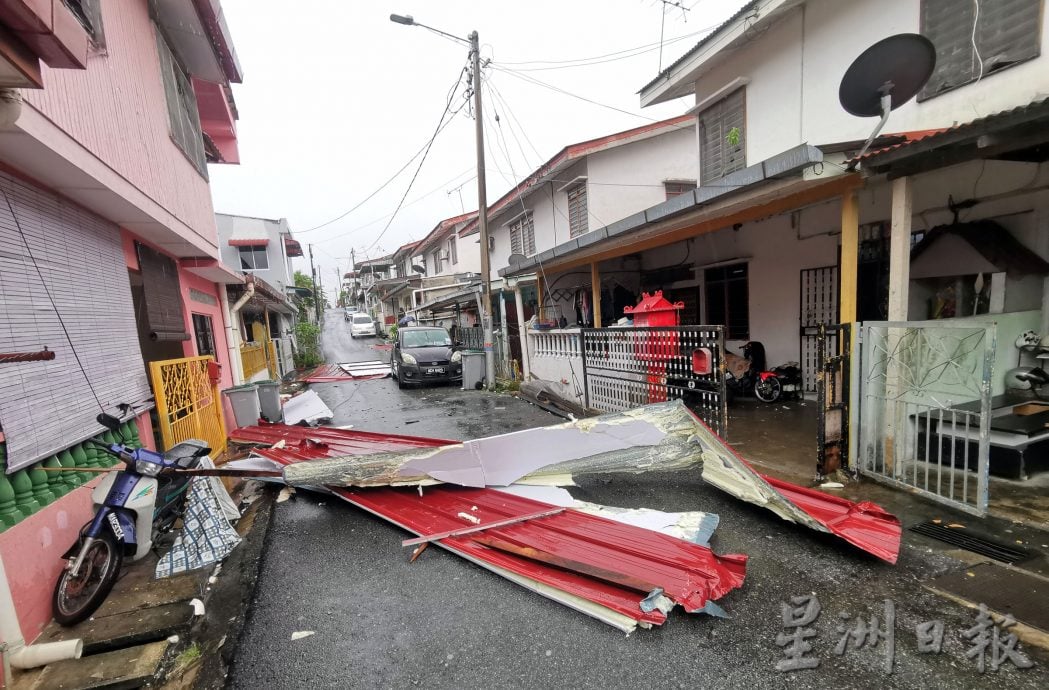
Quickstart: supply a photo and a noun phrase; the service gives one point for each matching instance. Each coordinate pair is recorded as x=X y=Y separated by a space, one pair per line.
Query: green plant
x=734 y=136
x=188 y=657
x=392 y=331
x=308 y=353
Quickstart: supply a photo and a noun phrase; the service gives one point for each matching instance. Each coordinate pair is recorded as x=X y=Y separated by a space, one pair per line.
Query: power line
x=387 y=183
x=537 y=82
x=646 y=48
x=440 y=125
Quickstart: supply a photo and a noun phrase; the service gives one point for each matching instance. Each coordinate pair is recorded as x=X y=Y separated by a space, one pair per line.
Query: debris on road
x=544 y=394
x=306 y=407
x=301 y=634
x=864 y=525
x=658 y=437
x=372 y=369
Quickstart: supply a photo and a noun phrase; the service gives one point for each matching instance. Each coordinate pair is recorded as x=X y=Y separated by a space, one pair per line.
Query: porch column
x=900 y=249
x=539 y=296
x=504 y=330
x=522 y=333
x=850 y=246
x=595 y=287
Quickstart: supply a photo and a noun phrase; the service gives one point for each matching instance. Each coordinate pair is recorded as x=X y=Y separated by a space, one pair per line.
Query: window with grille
x=453 y=250
x=522 y=236
x=204 y=334
x=436 y=258
x=728 y=300
x=254 y=258
x=1005 y=32
x=674 y=189
x=183 y=116
x=577 y=220
x=722 y=137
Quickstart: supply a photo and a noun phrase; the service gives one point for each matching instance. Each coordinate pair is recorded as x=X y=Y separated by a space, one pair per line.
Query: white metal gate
x=925 y=408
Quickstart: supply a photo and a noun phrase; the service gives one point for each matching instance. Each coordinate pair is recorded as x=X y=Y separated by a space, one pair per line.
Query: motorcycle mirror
x=108 y=421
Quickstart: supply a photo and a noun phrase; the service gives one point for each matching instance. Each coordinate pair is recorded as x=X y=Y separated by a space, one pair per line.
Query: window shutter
x=717 y=157
x=45 y=407
x=163 y=295
x=577 y=211
x=515 y=238
x=1007 y=32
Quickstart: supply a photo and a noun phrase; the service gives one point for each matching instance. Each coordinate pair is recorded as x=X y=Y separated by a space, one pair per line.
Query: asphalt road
x=381 y=622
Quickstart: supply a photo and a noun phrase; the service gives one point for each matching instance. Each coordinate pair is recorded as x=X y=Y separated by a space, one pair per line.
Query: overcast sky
x=336 y=99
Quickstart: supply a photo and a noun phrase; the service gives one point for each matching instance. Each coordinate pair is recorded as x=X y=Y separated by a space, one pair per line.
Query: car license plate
x=435 y=370
x=790 y=387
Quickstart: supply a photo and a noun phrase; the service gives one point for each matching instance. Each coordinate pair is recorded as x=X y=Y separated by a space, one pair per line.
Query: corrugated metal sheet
x=47 y=406
x=609 y=564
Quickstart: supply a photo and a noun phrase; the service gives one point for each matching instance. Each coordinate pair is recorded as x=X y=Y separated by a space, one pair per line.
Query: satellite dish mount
x=884 y=77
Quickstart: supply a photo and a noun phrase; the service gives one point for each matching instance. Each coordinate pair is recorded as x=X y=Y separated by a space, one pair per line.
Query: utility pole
x=482 y=218
x=353 y=270
x=313 y=277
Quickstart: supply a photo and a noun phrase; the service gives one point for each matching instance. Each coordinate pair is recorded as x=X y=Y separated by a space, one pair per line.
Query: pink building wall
x=116 y=108
x=32 y=550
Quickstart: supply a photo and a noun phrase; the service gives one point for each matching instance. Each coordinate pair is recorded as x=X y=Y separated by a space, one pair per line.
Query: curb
x=217 y=635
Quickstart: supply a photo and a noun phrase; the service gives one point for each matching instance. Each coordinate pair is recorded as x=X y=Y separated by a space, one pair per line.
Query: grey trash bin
x=269 y=400
x=245 y=402
x=473 y=369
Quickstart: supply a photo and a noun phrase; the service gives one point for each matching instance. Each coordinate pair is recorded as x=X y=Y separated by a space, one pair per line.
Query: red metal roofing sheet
x=606 y=562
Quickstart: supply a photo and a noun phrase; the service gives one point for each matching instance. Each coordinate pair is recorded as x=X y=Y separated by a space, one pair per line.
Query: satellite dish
x=884 y=77
x=516 y=259
x=418 y=269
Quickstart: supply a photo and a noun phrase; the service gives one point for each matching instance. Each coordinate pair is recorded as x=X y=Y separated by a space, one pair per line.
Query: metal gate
x=188 y=403
x=833 y=344
x=925 y=409
x=627 y=367
x=819 y=305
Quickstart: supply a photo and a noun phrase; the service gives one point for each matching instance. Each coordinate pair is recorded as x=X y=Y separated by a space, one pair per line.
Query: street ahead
x=380 y=621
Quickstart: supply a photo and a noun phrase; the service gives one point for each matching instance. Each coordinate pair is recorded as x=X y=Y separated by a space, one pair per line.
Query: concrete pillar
x=900 y=249
x=526 y=370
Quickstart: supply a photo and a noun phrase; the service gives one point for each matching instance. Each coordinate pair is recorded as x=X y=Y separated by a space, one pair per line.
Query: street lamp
x=482 y=197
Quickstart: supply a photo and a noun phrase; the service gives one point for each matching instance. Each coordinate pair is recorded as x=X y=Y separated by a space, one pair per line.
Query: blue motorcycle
x=133 y=508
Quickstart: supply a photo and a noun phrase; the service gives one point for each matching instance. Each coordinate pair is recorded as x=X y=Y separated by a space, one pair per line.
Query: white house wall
x=625 y=179
x=280 y=273
x=793 y=71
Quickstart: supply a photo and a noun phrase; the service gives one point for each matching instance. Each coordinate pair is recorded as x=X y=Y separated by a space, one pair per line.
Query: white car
x=362 y=324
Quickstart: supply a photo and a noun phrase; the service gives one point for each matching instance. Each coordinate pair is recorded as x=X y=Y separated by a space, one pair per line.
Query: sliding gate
x=628 y=367
x=925 y=409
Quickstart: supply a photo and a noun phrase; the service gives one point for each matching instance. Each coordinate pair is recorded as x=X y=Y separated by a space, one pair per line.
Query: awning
x=249 y=242
x=212 y=270
x=764 y=189
x=292 y=246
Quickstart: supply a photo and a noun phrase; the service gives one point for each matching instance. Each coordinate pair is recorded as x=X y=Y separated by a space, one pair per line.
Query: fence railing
x=560 y=343
x=253 y=359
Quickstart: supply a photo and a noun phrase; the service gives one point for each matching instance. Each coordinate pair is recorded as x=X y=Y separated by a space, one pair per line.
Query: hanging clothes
x=585 y=316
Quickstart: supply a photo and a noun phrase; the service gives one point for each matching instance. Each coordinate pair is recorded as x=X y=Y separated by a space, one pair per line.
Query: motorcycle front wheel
x=78 y=597
x=768 y=390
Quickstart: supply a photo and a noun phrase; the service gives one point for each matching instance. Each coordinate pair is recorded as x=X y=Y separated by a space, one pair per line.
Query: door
x=819 y=305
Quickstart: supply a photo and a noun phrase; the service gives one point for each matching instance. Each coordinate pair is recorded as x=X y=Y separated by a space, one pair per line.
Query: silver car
x=362 y=324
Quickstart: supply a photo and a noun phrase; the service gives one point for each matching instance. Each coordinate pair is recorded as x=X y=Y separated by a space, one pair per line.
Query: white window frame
x=453 y=250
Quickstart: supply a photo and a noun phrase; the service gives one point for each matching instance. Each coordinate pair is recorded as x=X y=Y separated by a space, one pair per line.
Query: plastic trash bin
x=269 y=400
x=245 y=402
x=473 y=369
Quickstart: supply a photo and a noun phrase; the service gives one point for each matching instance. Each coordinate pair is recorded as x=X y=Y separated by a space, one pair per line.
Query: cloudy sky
x=336 y=99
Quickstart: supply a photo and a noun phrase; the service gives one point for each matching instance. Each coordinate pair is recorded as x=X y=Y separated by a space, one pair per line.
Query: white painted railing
x=557 y=356
x=559 y=343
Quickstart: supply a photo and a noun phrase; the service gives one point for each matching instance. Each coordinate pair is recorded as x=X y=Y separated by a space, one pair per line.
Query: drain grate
x=964 y=540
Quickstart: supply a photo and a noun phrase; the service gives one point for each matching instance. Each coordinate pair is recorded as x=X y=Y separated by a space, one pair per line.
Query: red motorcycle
x=748 y=374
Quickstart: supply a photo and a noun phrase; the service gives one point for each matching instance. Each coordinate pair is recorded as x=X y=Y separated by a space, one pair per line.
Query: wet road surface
x=441 y=622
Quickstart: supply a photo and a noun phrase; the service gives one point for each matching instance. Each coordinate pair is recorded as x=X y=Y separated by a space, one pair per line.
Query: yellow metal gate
x=188 y=403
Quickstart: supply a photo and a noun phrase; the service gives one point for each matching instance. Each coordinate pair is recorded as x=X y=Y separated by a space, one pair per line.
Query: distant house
x=110 y=113
x=263 y=249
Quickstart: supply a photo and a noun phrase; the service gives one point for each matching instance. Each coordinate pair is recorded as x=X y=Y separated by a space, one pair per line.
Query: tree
x=304 y=281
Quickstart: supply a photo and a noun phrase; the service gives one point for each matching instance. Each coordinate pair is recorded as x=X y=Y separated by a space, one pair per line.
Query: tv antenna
x=884 y=77
x=663 y=22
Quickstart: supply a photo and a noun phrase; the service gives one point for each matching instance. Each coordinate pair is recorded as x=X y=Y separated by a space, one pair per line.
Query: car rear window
x=362 y=318
x=431 y=337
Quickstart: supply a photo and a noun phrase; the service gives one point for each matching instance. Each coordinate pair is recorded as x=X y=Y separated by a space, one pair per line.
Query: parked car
x=349 y=312
x=423 y=354
x=362 y=324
